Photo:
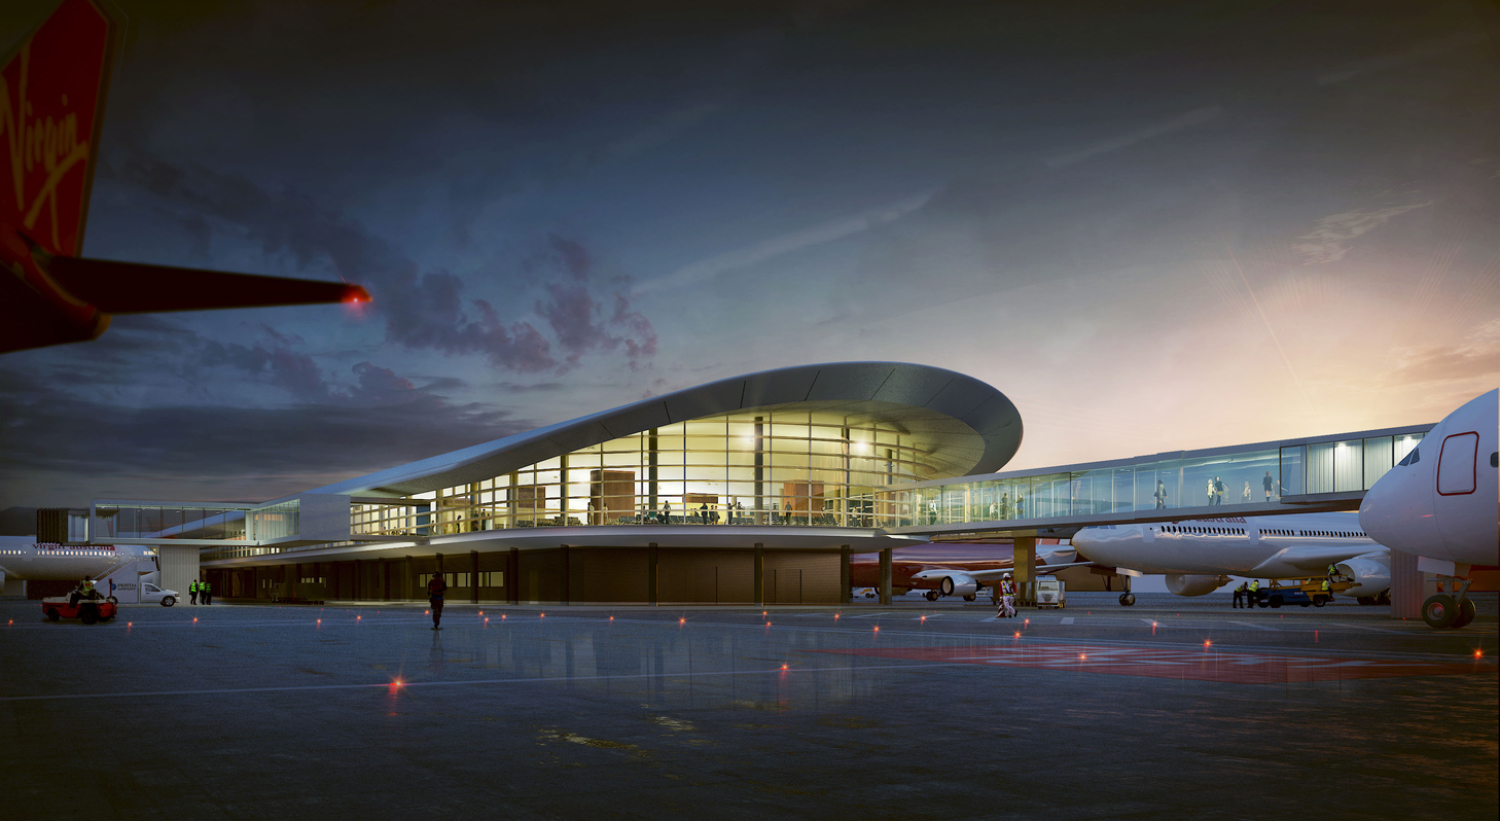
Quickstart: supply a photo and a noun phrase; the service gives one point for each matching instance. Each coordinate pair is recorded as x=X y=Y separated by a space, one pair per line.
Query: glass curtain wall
x=773 y=467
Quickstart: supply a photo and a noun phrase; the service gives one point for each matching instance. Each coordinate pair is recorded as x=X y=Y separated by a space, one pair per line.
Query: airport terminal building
x=745 y=491
x=751 y=490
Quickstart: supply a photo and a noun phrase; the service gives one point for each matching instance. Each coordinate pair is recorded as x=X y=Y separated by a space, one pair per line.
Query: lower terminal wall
x=593 y=575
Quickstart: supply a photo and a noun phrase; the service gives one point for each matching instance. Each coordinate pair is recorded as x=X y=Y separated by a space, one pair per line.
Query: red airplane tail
x=52 y=96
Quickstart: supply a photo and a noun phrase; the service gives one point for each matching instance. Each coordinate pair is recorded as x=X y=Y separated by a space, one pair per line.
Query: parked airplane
x=951 y=568
x=1442 y=503
x=23 y=559
x=52 y=97
x=1199 y=556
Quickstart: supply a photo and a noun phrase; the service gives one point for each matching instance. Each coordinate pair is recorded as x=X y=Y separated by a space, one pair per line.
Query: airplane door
x=1457 y=469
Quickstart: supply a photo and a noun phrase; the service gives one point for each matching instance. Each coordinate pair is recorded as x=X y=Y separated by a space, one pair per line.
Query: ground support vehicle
x=1051 y=592
x=87 y=611
x=1314 y=589
x=1276 y=595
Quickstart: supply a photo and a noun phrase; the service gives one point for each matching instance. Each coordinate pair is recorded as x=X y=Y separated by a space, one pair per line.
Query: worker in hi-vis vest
x=193 y=592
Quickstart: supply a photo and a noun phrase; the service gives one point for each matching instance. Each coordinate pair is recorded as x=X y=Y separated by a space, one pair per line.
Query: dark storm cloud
x=421 y=309
x=377 y=420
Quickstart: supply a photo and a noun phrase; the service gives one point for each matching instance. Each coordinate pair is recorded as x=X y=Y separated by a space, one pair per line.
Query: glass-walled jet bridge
x=1313 y=474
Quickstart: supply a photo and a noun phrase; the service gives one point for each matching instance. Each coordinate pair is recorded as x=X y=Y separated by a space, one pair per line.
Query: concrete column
x=513 y=576
x=567 y=597
x=885 y=576
x=1025 y=569
x=651 y=558
x=474 y=576
x=1406 y=586
x=760 y=573
x=844 y=574
x=179 y=567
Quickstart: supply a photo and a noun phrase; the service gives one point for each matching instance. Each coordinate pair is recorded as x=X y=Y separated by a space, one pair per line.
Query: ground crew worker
x=1007 y=598
x=1327 y=590
x=84 y=590
x=1333 y=570
x=1254 y=591
x=436 y=587
x=206 y=592
x=193 y=592
x=1239 y=595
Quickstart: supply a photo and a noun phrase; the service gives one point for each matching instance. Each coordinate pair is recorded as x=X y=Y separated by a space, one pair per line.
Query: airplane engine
x=958 y=585
x=1371 y=576
x=1185 y=584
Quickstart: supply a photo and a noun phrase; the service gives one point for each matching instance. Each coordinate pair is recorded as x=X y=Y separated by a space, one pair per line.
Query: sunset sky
x=1177 y=226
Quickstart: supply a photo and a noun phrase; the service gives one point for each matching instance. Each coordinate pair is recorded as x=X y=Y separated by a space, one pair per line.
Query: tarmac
x=1174 y=708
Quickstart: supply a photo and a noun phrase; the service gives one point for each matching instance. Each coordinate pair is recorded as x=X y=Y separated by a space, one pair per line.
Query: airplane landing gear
x=1127 y=599
x=1455 y=611
x=931 y=595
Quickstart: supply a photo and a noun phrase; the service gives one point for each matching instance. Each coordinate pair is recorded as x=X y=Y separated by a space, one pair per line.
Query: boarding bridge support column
x=179 y=566
x=760 y=573
x=651 y=558
x=844 y=574
x=1024 y=565
x=885 y=576
x=1406 y=586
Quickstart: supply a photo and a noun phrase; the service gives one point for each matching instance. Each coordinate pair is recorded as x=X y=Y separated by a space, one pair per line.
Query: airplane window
x=1411 y=458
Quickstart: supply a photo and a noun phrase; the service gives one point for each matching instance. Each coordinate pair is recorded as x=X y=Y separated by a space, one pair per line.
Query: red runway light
x=1027 y=623
x=835 y=617
x=195 y=620
x=320 y=621
x=682 y=621
x=877 y=628
x=426 y=612
x=481 y=612
x=542 y=616
x=783 y=666
x=1018 y=634
x=129 y=624
x=502 y=617
x=1478 y=653
x=1207 y=643
x=611 y=618
x=1082 y=657
x=924 y=618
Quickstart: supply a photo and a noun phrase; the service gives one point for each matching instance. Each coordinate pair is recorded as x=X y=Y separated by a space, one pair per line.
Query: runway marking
x=1067 y=620
x=1199 y=664
x=1254 y=625
x=1372 y=629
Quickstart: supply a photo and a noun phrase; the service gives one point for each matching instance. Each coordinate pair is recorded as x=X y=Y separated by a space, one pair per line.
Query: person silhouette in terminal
x=1005 y=506
x=1210 y=492
x=666 y=512
x=1160 y=495
x=1246 y=495
x=703 y=513
x=1218 y=491
x=1269 y=484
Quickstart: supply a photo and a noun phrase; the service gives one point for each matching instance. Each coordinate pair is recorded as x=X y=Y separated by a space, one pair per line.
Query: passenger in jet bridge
x=1160 y=495
x=1268 y=483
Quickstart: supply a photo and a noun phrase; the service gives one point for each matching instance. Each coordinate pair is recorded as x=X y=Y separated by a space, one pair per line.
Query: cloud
x=421 y=309
x=1419 y=53
x=1477 y=358
x=787 y=243
x=1197 y=116
x=373 y=420
x=1328 y=242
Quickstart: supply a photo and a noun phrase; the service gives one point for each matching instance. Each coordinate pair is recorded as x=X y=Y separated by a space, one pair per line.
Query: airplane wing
x=994 y=575
x=1312 y=558
x=133 y=288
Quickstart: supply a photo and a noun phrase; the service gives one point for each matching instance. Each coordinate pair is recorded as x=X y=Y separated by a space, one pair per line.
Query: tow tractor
x=1302 y=592
x=87 y=611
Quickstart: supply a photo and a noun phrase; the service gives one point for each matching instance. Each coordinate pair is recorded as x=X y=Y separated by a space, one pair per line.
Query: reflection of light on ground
x=1240 y=668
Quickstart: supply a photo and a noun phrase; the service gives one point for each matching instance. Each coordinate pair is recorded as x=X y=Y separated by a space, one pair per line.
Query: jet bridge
x=1307 y=475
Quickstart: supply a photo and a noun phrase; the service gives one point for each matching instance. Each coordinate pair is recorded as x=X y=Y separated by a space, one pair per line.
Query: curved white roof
x=967 y=426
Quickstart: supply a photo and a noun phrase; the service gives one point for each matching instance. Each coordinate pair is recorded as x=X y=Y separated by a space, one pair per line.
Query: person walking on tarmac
x=205 y=592
x=436 y=587
x=193 y=592
x=1007 y=598
x=1239 y=596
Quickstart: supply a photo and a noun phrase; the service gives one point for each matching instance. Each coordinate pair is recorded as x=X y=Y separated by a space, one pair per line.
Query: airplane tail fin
x=52 y=95
x=133 y=288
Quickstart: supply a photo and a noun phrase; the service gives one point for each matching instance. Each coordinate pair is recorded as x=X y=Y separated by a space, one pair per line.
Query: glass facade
x=1256 y=475
x=778 y=466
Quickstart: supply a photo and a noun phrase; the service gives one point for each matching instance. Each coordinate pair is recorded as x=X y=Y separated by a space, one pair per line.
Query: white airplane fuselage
x=1269 y=547
x=1443 y=500
x=21 y=557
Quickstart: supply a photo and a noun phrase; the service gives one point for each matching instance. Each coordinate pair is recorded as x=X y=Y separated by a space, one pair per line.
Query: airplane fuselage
x=1265 y=546
x=22 y=558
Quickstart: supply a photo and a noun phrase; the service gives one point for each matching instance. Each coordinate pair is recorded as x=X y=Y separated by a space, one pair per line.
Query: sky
x=1153 y=226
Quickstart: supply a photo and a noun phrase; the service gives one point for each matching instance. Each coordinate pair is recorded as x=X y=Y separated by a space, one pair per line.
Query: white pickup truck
x=152 y=593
